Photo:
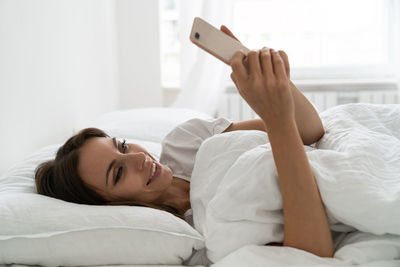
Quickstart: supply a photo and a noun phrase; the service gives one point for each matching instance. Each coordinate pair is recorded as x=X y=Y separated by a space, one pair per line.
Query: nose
x=138 y=159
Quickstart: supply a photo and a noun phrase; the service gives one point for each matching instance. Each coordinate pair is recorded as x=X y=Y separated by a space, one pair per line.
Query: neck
x=177 y=194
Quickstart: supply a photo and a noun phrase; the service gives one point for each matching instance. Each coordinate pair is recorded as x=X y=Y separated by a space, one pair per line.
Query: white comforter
x=235 y=194
x=358 y=248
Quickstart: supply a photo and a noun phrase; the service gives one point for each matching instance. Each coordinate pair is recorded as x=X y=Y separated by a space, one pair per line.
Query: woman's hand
x=268 y=72
x=265 y=86
x=225 y=30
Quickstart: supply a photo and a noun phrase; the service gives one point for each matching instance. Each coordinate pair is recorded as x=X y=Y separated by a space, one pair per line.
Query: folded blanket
x=235 y=194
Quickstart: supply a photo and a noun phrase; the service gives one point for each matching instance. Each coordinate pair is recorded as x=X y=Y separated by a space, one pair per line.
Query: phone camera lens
x=197 y=35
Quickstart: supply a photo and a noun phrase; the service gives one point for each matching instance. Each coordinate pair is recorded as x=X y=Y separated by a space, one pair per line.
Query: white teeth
x=154 y=170
x=152 y=173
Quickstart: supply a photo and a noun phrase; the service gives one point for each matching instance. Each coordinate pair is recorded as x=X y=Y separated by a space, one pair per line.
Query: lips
x=156 y=173
x=150 y=172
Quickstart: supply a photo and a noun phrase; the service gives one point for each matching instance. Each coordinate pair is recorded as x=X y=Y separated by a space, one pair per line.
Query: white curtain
x=203 y=77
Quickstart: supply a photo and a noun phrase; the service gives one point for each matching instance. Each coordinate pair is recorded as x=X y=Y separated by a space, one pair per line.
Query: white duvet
x=235 y=194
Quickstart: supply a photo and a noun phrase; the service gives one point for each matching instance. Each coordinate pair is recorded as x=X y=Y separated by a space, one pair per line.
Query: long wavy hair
x=59 y=178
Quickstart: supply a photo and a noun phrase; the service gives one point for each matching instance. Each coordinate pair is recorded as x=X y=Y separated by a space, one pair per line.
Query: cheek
x=135 y=183
x=131 y=185
x=168 y=172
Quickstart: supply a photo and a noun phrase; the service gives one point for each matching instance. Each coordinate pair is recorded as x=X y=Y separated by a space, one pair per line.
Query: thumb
x=225 y=30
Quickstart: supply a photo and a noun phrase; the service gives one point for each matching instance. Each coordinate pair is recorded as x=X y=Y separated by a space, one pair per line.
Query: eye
x=118 y=176
x=124 y=146
x=119 y=172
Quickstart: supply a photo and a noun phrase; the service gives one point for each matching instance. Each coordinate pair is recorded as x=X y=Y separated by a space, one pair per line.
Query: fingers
x=238 y=68
x=286 y=61
x=254 y=64
x=228 y=32
x=279 y=65
x=266 y=63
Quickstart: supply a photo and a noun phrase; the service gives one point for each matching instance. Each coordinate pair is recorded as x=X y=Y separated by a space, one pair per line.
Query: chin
x=170 y=173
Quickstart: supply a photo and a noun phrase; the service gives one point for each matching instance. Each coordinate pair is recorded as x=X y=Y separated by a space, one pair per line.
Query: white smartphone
x=214 y=41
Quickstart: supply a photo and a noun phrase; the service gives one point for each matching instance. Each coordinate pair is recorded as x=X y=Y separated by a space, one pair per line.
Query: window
x=324 y=39
x=169 y=14
x=330 y=39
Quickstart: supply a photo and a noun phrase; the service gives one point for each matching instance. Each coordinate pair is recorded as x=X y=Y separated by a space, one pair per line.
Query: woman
x=92 y=168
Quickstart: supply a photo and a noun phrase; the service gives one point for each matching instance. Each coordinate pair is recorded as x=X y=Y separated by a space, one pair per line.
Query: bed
x=37 y=230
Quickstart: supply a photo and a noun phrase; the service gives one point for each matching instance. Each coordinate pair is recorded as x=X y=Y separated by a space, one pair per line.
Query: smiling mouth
x=153 y=172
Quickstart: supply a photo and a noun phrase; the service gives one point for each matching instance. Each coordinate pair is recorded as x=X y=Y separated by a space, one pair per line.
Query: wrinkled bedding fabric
x=235 y=194
x=357 y=249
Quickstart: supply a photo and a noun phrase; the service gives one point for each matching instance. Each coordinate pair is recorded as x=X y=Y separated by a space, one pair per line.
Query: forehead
x=96 y=148
x=95 y=156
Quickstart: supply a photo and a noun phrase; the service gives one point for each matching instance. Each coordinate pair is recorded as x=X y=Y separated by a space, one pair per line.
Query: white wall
x=139 y=53
x=62 y=65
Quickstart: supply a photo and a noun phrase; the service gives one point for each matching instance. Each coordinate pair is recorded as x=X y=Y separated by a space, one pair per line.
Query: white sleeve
x=179 y=147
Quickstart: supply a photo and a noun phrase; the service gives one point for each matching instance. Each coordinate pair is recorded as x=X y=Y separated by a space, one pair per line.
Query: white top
x=179 y=147
x=178 y=151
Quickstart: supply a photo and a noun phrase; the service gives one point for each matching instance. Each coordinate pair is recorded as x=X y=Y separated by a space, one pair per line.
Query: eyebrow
x=112 y=162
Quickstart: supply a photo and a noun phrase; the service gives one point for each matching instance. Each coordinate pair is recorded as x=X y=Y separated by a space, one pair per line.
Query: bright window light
x=343 y=37
x=316 y=33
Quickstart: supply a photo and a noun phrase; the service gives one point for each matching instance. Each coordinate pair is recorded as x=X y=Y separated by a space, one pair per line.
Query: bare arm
x=305 y=223
x=308 y=121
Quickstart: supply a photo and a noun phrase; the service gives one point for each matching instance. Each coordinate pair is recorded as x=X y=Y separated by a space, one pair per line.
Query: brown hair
x=59 y=178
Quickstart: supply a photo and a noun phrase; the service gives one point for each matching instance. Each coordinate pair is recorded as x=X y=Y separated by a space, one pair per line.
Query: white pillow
x=36 y=229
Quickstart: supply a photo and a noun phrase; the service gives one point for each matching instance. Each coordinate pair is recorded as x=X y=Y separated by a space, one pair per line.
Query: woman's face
x=121 y=171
